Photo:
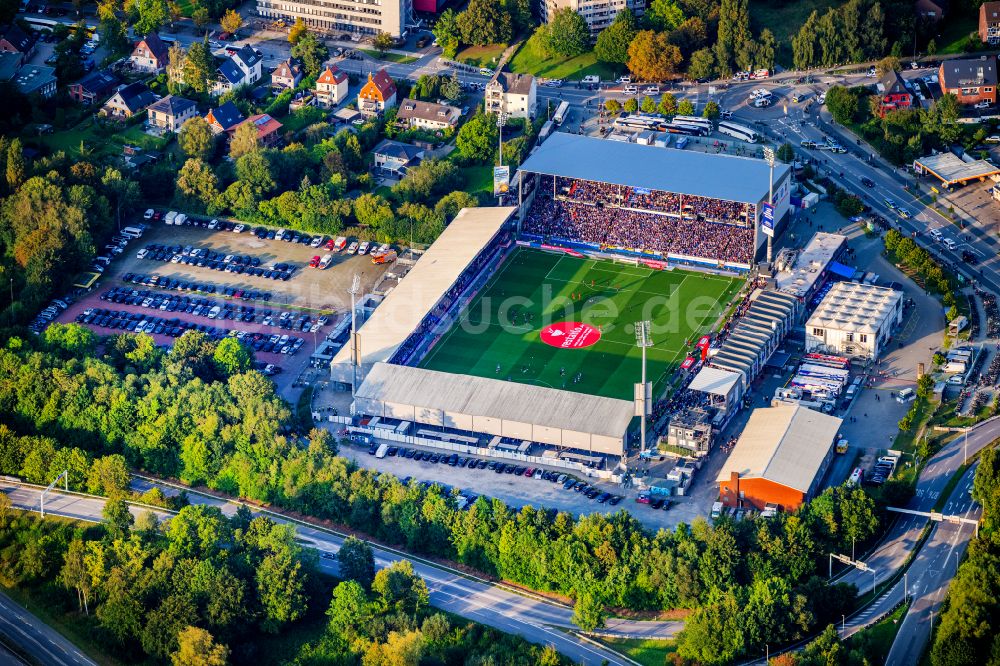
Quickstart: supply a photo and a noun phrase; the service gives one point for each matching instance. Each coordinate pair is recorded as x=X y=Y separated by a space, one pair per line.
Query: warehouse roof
x=786 y=444
x=497 y=399
x=710 y=175
x=850 y=306
x=434 y=273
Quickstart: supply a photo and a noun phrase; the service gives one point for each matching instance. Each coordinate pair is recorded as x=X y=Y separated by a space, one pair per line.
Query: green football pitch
x=499 y=333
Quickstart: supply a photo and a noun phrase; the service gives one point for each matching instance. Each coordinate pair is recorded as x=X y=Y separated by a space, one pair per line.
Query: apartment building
x=989 y=23
x=357 y=17
x=513 y=94
x=598 y=14
x=972 y=81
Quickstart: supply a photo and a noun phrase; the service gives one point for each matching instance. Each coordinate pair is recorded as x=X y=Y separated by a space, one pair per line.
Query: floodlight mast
x=643 y=340
x=354 y=291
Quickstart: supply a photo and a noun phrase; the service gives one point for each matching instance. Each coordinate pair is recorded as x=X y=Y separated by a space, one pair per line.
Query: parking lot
x=225 y=284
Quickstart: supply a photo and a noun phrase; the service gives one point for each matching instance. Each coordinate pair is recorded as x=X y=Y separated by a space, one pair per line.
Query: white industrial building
x=854 y=320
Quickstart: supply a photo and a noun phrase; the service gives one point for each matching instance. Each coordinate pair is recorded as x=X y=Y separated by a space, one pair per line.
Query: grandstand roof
x=725 y=177
x=417 y=293
x=497 y=407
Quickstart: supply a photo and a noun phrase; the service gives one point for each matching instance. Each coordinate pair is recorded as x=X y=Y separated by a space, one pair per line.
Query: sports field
x=501 y=333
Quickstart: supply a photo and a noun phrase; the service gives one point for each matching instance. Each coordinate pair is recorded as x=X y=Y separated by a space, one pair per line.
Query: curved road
x=534 y=618
x=35 y=638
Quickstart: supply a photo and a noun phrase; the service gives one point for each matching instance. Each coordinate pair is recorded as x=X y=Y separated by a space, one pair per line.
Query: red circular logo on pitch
x=570 y=335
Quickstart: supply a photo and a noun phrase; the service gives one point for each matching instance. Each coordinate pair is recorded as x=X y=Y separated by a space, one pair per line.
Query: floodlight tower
x=769 y=232
x=355 y=360
x=501 y=121
x=643 y=390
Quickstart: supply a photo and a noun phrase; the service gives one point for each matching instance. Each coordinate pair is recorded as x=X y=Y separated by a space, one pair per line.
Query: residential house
x=377 y=95
x=268 y=129
x=92 y=87
x=331 y=87
x=150 y=54
x=512 y=94
x=893 y=94
x=243 y=68
x=287 y=74
x=972 y=81
x=989 y=23
x=933 y=10
x=14 y=39
x=224 y=118
x=36 y=80
x=171 y=112
x=416 y=114
x=393 y=156
x=128 y=101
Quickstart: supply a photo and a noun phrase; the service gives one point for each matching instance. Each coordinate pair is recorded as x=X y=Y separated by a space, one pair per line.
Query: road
x=535 y=619
x=35 y=638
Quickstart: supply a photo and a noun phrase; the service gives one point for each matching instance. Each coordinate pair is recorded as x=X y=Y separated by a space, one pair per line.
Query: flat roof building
x=952 y=170
x=357 y=18
x=779 y=459
x=854 y=320
x=802 y=272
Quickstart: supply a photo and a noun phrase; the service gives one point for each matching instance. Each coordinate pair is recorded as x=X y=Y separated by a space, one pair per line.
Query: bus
x=684 y=128
x=636 y=124
x=704 y=123
x=561 y=112
x=738 y=131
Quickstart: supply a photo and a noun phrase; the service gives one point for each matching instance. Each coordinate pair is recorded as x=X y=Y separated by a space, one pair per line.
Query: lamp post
x=354 y=290
x=769 y=156
x=642 y=340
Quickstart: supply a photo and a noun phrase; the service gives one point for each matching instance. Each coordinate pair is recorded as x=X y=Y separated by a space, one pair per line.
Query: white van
x=170 y=217
x=382 y=450
x=716 y=509
x=591 y=78
x=180 y=219
x=905 y=396
x=132 y=232
x=950 y=243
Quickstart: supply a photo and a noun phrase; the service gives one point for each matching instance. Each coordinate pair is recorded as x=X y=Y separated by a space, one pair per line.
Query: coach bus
x=637 y=124
x=684 y=128
x=560 y=115
x=737 y=131
x=704 y=123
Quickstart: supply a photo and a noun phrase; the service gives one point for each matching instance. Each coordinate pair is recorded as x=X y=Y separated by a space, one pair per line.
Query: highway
x=35 y=638
x=534 y=618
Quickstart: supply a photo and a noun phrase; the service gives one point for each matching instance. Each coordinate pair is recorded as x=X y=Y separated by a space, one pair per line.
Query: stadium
x=505 y=341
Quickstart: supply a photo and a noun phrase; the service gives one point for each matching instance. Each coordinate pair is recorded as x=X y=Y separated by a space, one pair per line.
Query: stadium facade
x=685 y=207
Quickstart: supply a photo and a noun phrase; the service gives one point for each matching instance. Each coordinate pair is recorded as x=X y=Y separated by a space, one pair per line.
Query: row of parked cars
x=204 y=287
x=135 y=322
x=46 y=316
x=197 y=306
x=218 y=261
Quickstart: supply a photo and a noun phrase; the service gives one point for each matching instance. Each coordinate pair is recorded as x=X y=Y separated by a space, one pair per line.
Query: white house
x=854 y=320
x=243 y=68
x=513 y=94
x=392 y=156
x=427 y=115
x=331 y=87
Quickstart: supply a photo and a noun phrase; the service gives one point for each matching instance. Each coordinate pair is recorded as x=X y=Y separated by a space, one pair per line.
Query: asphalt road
x=42 y=643
x=535 y=619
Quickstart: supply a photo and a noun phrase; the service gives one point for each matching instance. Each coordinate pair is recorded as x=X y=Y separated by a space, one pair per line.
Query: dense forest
x=198 y=414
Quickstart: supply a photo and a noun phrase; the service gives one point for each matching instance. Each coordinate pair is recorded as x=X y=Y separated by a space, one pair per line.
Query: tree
x=72 y=338
x=702 y=65
x=312 y=52
x=198 y=182
x=372 y=210
x=399 y=589
x=767 y=49
x=631 y=105
x=196 y=647
x=400 y=649
x=199 y=67
x=231 y=21
x=613 y=42
x=804 y=43
x=667 y=105
x=175 y=12
x=356 y=561
x=349 y=608
x=15 y=164
x=245 y=140
x=196 y=138
x=152 y=14
x=887 y=64
x=842 y=104
x=383 y=42
x=733 y=35
x=613 y=106
x=477 y=138
x=201 y=17
x=711 y=110
x=451 y=88
x=932 y=47
x=298 y=30
x=165 y=624
x=648 y=104
x=448 y=206
x=652 y=58
x=232 y=357
x=786 y=153
x=565 y=34
x=281 y=588
x=109 y=476
x=447 y=33
x=485 y=22
x=685 y=107
x=664 y=15
x=124 y=193
x=588 y=612
x=74 y=574
x=430 y=178
x=117 y=518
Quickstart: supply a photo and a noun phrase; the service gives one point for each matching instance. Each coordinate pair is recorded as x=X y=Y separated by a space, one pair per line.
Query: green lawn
x=955 y=31
x=390 y=57
x=534 y=289
x=478 y=179
x=481 y=56
x=530 y=59
x=875 y=641
x=646 y=652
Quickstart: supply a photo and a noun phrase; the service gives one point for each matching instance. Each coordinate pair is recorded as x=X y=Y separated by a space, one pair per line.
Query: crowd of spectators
x=686 y=206
x=639 y=230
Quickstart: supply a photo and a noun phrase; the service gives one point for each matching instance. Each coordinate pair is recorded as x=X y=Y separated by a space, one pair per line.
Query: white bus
x=635 y=124
x=704 y=123
x=560 y=115
x=685 y=128
x=738 y=131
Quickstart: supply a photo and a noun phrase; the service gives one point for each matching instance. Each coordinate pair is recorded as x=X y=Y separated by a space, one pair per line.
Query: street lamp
x=642 y=340
x=769 y=156
x=354 y=290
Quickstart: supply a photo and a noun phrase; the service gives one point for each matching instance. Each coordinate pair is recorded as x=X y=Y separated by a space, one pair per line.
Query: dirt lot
x=309 y=288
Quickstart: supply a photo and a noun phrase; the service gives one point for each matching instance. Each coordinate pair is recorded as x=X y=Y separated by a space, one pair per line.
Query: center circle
x=570 y=335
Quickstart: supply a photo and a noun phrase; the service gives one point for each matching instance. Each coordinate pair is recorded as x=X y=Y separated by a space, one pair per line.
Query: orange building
x=779 y=459
x=377 y=95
